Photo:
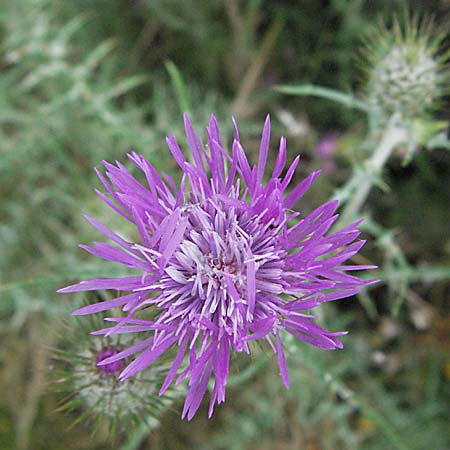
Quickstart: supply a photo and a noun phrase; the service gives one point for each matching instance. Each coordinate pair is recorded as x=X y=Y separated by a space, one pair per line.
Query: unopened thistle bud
x=407 y=74
x=95 y=389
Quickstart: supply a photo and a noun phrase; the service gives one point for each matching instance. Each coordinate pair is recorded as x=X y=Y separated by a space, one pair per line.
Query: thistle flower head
x=221 y=260
x=407 y=73
x=96 y=388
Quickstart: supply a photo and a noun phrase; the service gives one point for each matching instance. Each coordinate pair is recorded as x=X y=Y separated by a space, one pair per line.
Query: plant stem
x=364 y=180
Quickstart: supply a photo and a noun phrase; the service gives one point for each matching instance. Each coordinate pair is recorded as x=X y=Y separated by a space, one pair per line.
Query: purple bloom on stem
x=223 y=261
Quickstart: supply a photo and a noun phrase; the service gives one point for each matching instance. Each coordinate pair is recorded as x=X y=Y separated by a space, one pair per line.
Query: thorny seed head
x=407 y=73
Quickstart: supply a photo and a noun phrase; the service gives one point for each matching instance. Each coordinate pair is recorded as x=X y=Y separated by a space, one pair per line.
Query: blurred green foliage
x=84 y=80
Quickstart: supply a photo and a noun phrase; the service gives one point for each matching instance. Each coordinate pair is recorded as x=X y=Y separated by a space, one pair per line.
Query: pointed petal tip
x=122 y=375
x=107 y=164
x=187 y=121
x=235 y=127
x=68 y=289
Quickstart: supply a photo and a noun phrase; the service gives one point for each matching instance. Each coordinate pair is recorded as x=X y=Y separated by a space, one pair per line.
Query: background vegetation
x=84 y=80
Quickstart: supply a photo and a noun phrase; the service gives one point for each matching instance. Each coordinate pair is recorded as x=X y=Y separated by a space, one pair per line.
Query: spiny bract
x=407 y=72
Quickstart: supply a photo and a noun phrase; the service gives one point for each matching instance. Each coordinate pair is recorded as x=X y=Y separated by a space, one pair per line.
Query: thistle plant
x=94 y=390
x=406 y=79
x=222 y=260
x=80 y=84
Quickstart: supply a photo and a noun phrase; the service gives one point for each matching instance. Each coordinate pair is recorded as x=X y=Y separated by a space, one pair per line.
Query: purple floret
x=222 y=259
x=113 y=368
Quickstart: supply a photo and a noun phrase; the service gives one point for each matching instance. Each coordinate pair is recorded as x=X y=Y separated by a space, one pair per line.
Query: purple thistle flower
x=223 y=262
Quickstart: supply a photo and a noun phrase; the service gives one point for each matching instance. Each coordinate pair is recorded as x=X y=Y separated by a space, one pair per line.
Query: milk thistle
x=222 y=260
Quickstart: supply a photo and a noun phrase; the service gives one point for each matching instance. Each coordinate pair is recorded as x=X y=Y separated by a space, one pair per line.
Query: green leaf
x=347 y=100
x=97 y=55
x=123 y=86
x=179 y=86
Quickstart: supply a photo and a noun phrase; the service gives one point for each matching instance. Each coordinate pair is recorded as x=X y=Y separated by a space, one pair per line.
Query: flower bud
x=407 y=75
x=95 y=387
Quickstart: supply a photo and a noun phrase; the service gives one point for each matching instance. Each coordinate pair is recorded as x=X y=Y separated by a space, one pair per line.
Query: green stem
x=362 y=181
x=322 y=92
x=180 y=88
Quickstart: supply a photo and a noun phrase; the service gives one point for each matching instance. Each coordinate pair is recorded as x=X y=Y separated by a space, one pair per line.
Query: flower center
x=226 y=262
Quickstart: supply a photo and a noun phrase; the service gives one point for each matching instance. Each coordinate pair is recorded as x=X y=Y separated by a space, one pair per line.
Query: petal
x=127 y=352
x=263 y=150
x=118 y=284
x=281 y=159
x=105 y=305
x=300 y=189
x=175 y=366
x=146 y=358
x=282 y=361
